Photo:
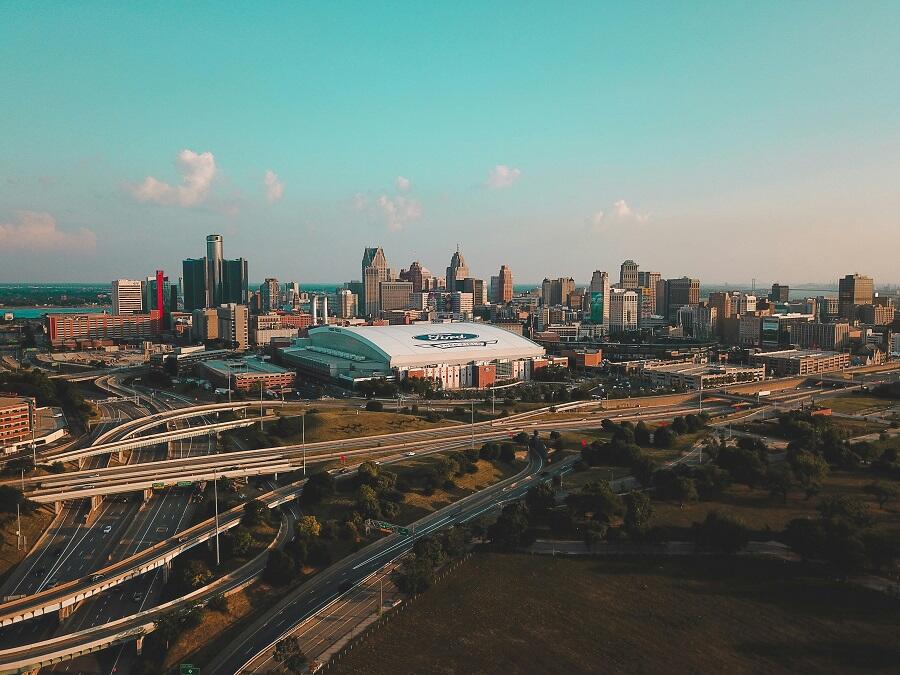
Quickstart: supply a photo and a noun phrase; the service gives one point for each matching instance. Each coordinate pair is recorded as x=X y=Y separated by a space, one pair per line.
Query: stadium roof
x=427 y=343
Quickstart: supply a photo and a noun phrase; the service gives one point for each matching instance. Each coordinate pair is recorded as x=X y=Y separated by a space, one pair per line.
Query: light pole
x=473 y=424
x=260 y=405
x=216 y=499
x=18 y=528
x=303 y=439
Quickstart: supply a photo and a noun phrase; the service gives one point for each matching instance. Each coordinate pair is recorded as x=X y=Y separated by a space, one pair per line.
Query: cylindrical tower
x=214 y=257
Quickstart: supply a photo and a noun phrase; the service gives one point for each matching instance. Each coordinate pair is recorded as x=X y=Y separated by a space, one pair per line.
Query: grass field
x=533 y=614
x=854 y=403
x=33 y=526
x=759 y=510
x=329 y=425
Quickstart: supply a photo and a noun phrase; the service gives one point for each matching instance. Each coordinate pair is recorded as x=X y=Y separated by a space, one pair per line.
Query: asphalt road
x=325 y=587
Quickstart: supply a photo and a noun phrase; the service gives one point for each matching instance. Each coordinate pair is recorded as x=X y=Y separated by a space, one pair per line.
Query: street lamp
x=473 y=424
x=303 y=439
x=216 y=499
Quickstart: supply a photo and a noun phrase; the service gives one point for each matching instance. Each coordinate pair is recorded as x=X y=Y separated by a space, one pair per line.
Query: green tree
x=10 y=497
x=255 y=513
x=540 y=499
x=511 y=529
x=289 y=656
x=280 y=568
x=679 y=425
x=780 y=480
x=508 y=453
x=367 y=502
x=319 y=486
x=597 y=499
x=721 y=531
x=642 y=434
x=663 y=437
x=883 y=492
x=240 y=541
x=809 y=469
x=308 y=527
x=367 y=473
x=194 y=574
x=685 y=490
x=638 y=510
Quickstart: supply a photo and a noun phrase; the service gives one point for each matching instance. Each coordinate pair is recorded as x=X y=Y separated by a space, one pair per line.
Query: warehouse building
x=693 y=376
x=246 y=374
x=800 y=362
x=460 y=355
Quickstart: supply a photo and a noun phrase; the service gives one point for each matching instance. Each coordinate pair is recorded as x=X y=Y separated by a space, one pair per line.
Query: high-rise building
x=556 y=291
x=649 y=280
x=374 y=270
x=214 y=257
x=477 y=289
x=420 y=277
x=676 y=293
x=457 y=272
x=854 y=290
x=347 y=300
x=235 y=282
x=827 y=308
x=743 y=303
x=394 y=295
x=194 y=275
x=599 y=292
x=623 y=310
x=269 y=296
x=462 y=304
x=722 y=302
x=234 y=325
x=504 y=285
x=628 y=275
x=127 y=297
x=780 y=293
x=815 y=335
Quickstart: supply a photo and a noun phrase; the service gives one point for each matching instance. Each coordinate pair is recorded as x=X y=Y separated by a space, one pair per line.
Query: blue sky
x=721 y=140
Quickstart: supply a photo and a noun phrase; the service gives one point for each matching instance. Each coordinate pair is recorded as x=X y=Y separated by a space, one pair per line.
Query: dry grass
x=536 y=614
x=760 y=511
x=195 y=645
x=33 y=526
x=333 y=425
x=852 y=404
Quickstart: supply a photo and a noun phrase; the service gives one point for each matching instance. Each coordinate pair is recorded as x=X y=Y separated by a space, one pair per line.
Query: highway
x=325 y=587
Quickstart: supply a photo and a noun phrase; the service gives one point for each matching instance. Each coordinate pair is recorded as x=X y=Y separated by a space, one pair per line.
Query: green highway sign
x=184 y=483
x=188 y=669
x=384 y=525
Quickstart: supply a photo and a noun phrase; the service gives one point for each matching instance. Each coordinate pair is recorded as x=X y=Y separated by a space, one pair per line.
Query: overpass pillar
x=66 y=612
x=94 y=509
x=139 y=644
x=170 y=450
x=148 y=492
x=57 y=507
x=80 y=463
x=167 y=571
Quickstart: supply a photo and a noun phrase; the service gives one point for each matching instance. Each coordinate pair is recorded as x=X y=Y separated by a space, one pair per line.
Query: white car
x=410 y=454
x=107 y=529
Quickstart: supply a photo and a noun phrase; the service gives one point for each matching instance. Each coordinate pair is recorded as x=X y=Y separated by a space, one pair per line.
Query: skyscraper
x=676 y=294
x=457 y=272
x=235 y=284
x=854 y=290
x=214 y=255
x=599 y=291
x=194 y=274
x=779 y=293
x=628 y=275
x=127 y=297
x=419 y=276
x=270 y=296
x=504 y=285
x=374 y=270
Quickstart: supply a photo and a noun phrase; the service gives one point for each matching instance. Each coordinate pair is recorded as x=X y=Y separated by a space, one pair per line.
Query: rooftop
x=248 y=364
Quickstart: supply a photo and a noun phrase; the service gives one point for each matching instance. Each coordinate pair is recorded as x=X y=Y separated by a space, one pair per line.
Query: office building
x=623 y=310
x=205 y=324
x=127 y=297
x=15 y=420
x=477 y=288
x=599 y=292
x=214 y=258
x=676 y=293
x=457 y=272
x=502 y=286
x=743 y=303
x=374 y=270
x=269 y=296
x=462 y=304
x=779 y=293
x=556 y=291
x=800 y=362
x=876 y=315
x=347 y=302
x=648 y=279
x=68 y=329
x=394 y=295
x=194 y=274
x=235 y=282
x=816 y=335
x=628 y=275
x=722 y=304
x=233 y=325
x=854 y=290
x=420 y=277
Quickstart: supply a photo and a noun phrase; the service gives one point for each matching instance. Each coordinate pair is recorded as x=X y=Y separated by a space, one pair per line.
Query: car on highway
x=96 y=577
x=137 y=596
x=107 y=529
x=410 y=453
x=38 y=571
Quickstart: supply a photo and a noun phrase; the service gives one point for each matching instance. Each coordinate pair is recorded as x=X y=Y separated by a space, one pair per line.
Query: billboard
x=597 y=307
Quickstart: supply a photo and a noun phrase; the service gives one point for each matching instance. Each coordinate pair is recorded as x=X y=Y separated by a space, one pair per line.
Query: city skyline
x=515 y=133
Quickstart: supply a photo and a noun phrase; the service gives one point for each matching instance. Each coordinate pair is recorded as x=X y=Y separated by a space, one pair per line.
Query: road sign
x=188 y=669
x=184 y=483
x=384 y=525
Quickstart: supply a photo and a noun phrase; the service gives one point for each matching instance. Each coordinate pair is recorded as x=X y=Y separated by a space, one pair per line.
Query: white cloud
x=621 y=209
x=502 y=176
x=399 y=210
x=37 y=231
x=403 y=184
x=274 y=187
x=597 y=220
x=198 y=172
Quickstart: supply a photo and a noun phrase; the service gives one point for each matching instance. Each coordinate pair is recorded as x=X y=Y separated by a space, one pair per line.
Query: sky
x=720 y=140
